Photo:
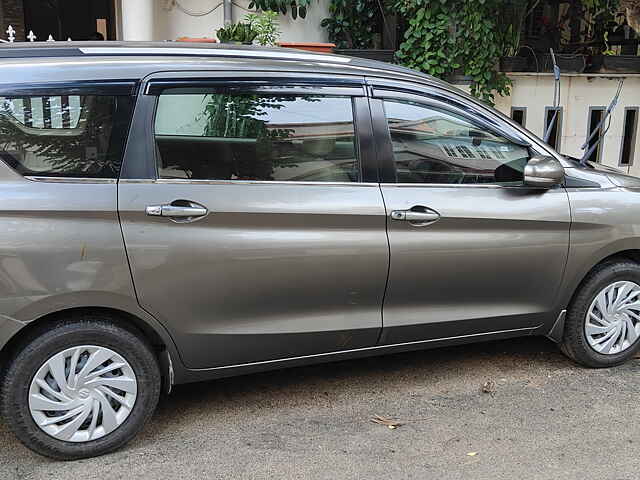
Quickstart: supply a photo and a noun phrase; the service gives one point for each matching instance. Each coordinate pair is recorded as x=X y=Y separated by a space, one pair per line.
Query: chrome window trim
x=37 y=178
x=179 y=181
x=451 y=185
x=322 y=87
x=424 y=90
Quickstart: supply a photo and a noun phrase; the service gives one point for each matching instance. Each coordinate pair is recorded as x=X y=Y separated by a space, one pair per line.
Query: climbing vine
x=445 y=37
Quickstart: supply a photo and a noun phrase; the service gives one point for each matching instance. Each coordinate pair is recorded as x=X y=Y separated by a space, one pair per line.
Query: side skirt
x=197 y=375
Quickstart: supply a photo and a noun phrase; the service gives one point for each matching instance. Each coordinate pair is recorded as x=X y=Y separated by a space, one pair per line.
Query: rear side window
x=255 y=136
x=80 y=136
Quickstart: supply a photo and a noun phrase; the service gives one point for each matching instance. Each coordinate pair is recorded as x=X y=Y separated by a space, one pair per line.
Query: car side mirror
x=543 y=172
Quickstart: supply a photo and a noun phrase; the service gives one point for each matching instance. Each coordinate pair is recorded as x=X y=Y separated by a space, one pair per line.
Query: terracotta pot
x=310 y=46
x=196 y=40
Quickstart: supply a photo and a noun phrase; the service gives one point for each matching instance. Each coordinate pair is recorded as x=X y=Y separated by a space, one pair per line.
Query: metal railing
x=11 y=36
x=27 y=110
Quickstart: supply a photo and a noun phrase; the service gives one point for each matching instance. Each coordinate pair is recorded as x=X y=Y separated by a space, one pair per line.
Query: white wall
x=578 y=92
x=169 y=24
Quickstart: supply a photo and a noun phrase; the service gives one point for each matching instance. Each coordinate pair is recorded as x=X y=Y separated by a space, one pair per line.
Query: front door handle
x=417 y=216
x=180 y=210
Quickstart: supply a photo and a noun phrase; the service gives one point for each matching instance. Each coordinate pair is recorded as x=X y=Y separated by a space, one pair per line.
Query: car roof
x=34 y=61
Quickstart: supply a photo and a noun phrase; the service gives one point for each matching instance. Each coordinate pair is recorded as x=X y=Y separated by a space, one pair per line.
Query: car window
x=255 y=136
x=432 y=145
x=64 y=136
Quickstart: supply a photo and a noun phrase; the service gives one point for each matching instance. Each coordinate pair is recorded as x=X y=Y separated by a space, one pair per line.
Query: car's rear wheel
x=602 y=327
x=82 y=388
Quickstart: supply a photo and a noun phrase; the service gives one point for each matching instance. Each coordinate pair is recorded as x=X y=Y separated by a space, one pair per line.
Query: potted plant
x=356 y=27
x=238 y=33
x=607 y=61
x=513 y=14
x=265 y=24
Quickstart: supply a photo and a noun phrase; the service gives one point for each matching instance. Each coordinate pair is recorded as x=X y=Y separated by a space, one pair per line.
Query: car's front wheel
x=602 y=327
x=81 y=388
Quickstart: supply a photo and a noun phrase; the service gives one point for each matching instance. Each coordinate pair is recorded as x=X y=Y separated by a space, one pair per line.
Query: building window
x=519 y=115
x=629 y=136
x=595 y=117
x=556 y=130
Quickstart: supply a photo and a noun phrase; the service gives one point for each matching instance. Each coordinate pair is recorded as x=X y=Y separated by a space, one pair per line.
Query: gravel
x=521 y=409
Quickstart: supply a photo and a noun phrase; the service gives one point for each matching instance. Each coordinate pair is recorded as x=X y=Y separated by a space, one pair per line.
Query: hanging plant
x=297 y=7
x=446 y=37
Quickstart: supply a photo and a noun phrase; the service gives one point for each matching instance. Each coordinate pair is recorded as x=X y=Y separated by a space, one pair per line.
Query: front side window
x=255 y=136
x=432 y=145
x=64 y=135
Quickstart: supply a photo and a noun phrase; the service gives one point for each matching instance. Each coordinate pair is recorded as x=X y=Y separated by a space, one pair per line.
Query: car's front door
x=256 y=235
x=472 y=249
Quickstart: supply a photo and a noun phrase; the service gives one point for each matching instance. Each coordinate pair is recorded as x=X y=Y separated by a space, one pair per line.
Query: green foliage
x=352 y=23
x=599 y=16
x=444 y=36
x=266 y=27
x=297 y=7
x=237 y=32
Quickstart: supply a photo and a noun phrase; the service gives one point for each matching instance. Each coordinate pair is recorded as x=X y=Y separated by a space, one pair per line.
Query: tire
x=131 y=361
x=609 y=277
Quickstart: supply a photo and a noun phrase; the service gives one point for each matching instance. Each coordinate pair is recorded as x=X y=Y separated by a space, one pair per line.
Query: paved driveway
x=546 y=419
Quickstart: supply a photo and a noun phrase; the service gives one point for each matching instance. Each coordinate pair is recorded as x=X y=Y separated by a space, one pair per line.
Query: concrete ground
x=545 y=419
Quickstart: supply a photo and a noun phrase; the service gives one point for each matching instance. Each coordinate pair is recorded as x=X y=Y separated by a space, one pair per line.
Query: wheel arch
x=557 y=330
x=160 y=344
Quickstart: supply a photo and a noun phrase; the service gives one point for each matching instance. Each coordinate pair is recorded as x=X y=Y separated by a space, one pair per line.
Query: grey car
x=174 y=213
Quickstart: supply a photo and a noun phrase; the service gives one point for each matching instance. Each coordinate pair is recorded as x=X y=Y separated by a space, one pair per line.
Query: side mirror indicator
x=543 y=172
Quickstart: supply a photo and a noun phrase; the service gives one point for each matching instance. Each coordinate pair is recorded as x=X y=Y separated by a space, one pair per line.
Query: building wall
x=170 y=22
x=12 y=13
x=578 y=93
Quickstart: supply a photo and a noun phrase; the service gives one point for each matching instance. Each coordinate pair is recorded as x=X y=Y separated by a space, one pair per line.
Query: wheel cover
x=612 y=323
x=82 y=393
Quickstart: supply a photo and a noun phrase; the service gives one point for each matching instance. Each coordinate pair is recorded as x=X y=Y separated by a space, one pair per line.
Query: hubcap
x=613 y=321
x=82 y=393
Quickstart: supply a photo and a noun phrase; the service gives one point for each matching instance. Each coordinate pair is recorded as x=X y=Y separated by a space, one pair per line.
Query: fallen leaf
x=489 y=386
x=472 y=454
x=388 y=422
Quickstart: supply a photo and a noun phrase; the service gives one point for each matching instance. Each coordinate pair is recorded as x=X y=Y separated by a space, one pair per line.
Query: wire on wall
x=191 y=13
x=204 y=13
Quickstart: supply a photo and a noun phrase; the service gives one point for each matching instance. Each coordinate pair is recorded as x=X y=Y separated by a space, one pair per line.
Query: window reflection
x=234 y=136
x=436 y=146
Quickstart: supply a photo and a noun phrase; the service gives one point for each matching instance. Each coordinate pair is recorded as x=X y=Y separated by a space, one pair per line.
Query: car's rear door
x=473 y=250
x=253 y=229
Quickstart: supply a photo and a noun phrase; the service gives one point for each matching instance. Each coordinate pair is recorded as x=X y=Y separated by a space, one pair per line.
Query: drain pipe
x=228 y=12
